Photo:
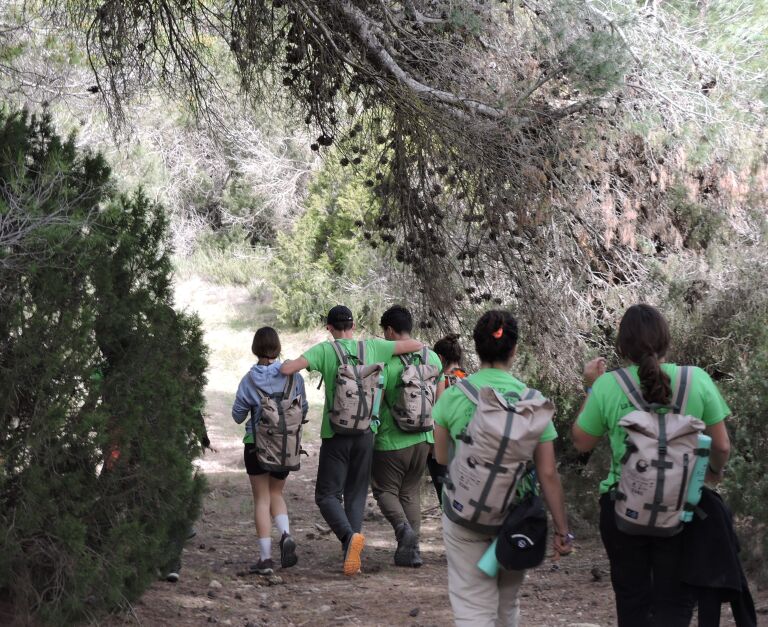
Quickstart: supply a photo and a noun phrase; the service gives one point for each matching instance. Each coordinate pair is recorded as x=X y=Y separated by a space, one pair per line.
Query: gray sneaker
x=407 y=543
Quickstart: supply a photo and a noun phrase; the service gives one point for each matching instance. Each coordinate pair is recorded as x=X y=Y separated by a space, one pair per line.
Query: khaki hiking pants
x=396 y=483
x=478 y=600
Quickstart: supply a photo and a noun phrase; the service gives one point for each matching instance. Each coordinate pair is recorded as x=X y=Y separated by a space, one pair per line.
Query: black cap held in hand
x=339 y=314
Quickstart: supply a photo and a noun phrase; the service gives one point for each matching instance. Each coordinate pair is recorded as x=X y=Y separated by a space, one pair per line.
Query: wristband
x=567 y=537
x=713 y=471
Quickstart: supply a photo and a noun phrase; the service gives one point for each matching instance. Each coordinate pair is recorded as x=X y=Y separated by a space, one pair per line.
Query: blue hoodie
x=270 y=381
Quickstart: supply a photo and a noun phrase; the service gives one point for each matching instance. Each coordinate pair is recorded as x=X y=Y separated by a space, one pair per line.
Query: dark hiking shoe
x=173 y=577
x=262 y=567
x=416 y=560
x=407 y=541
x=288 y=556
x=353 y=554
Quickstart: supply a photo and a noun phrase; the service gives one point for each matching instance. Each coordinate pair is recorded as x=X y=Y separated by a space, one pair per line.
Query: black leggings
x=645 y=573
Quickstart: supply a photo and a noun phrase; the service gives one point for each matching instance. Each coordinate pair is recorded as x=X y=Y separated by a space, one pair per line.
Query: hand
x=592 y=370
x=713 y=479
x=563 y=545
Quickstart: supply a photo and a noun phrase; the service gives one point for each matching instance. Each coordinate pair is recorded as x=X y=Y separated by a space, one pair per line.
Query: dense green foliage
x=324 y=260
x=100 y=383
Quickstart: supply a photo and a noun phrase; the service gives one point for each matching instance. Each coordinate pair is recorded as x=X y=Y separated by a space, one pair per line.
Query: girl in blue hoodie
x=264 y=376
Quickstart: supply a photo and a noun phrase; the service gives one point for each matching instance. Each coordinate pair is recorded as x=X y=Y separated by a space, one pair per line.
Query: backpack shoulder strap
x=290 y=386
x=469 y=390
x=682 y=388
x=630 y=388
x=529 y=394
x=424 y=356
x=405 y=360
x=361 y=353
x=340 y=352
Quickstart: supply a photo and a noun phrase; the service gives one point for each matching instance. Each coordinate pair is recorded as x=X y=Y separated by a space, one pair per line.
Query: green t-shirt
x=322 y=357
x=389 y=436
x=607 y=405
x=454 y=410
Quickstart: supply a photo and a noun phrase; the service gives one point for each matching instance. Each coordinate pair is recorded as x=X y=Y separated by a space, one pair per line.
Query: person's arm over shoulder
x=292 y=366
x=312 y=359
x=403 y=347
x=243 y=401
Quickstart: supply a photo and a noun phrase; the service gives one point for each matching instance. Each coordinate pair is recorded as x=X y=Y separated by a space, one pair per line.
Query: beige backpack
x=657 y=466
x=359 y=387
x=418 y=386
x=496 y=446
x=277 y=434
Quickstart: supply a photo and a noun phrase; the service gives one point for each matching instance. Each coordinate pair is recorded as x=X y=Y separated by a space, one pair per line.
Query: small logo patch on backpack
x=641 y=465
x=458 y=506
x=632 y=514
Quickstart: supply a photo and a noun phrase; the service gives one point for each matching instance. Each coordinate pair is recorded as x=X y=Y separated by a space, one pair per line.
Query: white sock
x=265 y=548
x=281 y=522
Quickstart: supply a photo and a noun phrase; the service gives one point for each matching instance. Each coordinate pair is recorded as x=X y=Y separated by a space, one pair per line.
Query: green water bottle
x=488 y=562
x=697 y=477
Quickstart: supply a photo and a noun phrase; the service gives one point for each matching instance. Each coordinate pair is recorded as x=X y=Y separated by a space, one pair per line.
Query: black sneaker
x=262 y=567
x=173 y=577
x=407 y=541
x=288 y=556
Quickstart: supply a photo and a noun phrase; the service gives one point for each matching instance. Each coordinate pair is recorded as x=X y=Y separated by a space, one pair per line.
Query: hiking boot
x=262 y=567
x=173 y=577
x=352 y=554
x=416 y=560
x=288 y=556
x=407 y=542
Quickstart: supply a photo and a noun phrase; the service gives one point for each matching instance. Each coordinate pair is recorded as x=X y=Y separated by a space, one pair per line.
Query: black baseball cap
x=339 y=314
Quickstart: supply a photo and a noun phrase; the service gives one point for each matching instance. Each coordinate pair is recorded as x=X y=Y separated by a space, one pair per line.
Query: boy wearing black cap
x=344 y=468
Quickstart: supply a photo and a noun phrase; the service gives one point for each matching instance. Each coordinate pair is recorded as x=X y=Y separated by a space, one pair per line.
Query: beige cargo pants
x=478 y=600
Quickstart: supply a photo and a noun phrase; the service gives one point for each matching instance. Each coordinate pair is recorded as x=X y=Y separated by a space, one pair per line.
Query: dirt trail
x=214 y=587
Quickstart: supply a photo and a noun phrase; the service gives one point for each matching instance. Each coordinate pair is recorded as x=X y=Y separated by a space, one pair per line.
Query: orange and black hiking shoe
x=352 y=556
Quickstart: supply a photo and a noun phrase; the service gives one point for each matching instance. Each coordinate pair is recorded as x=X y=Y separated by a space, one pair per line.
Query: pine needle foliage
x=100 y=383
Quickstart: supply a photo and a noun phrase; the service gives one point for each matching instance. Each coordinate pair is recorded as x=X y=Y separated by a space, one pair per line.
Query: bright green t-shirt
x=607 y=405
x=389 y=436
x=322 y=357
x=454 y=410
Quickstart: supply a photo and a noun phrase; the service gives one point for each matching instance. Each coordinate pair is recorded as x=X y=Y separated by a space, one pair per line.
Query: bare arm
x=552 y=490
x=407 y=346
x=583 y=441
x=720 y=451
x=292 y=366
x=442 y=444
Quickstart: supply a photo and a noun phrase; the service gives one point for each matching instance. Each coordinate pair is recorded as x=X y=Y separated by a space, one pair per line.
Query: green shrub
x=325 y=259
x=93 y=362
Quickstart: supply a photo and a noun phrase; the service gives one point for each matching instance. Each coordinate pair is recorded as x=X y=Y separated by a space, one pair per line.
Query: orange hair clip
x=499 y=333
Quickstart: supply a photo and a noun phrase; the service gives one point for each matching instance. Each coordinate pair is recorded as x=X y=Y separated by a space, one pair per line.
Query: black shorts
x=252 y=466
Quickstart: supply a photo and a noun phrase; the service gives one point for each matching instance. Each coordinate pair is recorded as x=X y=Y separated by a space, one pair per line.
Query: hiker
x=450 y=353
x=349 y=421
x=412 y=383
x=475 y=499
x=639 y=528
x=277 y=405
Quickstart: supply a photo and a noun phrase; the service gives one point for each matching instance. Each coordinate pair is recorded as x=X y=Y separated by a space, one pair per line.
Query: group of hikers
x=395 y=409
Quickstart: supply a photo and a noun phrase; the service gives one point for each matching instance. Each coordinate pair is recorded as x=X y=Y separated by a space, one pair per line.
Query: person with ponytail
x=645 y=570
x=477 y=599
